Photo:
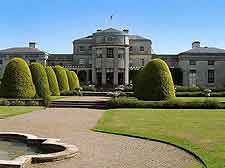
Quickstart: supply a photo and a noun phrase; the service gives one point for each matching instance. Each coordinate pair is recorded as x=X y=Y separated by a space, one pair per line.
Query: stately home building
x=108 y=58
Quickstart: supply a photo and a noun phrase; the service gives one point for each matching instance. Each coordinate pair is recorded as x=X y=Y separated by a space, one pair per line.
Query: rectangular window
x=109 y=52
x=81 y=61
x=142 y=48
x=211 y=62
x=82 y=48
x=1 y=62
x=142 y=62
x=211 y=76
x=99 y=53
x=192 y=62
x=131 y=48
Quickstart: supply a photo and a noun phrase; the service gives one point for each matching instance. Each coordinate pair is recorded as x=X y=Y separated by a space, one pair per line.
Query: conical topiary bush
x=61 y=78
x=155 y=82
x=52 y=80
x=71 y=79
x=40 y=80
x=77 y=83
x=17 y=80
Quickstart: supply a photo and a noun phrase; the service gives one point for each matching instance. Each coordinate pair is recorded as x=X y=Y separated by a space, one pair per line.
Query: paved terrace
x=97 y=150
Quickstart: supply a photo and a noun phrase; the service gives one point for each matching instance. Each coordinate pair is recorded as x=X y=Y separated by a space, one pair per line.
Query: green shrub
x=155 y=82
x=123 y=102
x=40 y=80
x=77 y=83
x=52 y=80
x=90 y=88
x=17 y=80
x=190 y=94
x=70 y=93
x=188 y=89
x=61 y=78
x=71 y=80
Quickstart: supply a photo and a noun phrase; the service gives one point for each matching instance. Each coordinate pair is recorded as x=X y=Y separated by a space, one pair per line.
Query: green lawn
x=201 y=131
x=8 y=111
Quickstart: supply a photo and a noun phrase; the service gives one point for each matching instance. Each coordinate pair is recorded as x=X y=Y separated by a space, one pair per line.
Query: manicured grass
x=200 y=99
x=52 y=98
x=8 y=111
x=200 y=131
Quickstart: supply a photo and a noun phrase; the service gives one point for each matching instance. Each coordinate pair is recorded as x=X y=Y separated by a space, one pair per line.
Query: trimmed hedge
x=52 y=80
x=17 y=80
x=71 y=80
x=123 y=102
x=40 y=80
x=61 y=78
x=155 y=82
x=77 y=83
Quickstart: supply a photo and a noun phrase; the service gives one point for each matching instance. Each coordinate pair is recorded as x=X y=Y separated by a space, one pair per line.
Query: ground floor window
x=211 y=76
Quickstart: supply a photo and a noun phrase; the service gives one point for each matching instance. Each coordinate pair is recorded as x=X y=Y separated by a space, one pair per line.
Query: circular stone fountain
x=20 y=150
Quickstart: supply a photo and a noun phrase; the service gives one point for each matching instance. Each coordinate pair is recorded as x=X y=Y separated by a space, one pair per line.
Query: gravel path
x=97 y=150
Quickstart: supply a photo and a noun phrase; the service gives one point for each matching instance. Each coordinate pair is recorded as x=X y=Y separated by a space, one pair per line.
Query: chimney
x=126 y=31
x=98 y=30
x=196 y=44
x=32 y=44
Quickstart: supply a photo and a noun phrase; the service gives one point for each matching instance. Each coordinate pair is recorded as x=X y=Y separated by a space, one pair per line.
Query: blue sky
x=171 y=24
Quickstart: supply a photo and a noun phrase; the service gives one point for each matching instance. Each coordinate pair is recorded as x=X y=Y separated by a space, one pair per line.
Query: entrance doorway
x=109 y=79
x=192 y=78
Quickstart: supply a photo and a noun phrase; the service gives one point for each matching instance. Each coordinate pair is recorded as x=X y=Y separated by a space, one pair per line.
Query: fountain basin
x=19 y=150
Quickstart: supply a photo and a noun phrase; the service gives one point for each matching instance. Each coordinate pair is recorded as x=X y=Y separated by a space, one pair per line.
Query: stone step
x=78 y=104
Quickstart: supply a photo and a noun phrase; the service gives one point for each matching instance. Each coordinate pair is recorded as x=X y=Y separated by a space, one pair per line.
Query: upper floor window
x=89 y=48
x=81 y=48
x=81 y=61
x=211 y=62
x=211 y=76
x=142 y=48
x=131 y=48
x=109 y=53
x=192 y=62
x=109 y=38
x=99 y=53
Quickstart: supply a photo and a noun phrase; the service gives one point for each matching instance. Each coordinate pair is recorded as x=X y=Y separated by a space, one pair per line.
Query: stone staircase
x=78 y=104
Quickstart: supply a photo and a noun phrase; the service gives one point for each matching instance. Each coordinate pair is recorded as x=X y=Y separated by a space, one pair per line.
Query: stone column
x=87 y=77
x=126 y=65
x=115 y=67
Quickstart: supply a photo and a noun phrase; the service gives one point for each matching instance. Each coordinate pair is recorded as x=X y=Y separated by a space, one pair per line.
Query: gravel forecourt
x=97 y=150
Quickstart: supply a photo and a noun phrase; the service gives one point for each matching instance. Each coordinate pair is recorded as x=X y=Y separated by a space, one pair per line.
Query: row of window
x=210 y=62
x=83 y=48
x=141 y=48
x=211 y=75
